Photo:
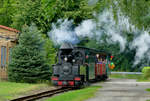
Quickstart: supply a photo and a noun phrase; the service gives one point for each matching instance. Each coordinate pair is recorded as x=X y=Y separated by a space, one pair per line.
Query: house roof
x=8 y=28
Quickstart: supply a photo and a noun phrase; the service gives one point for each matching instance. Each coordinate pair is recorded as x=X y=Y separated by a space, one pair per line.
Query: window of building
x=10 y=50
x=3 y=56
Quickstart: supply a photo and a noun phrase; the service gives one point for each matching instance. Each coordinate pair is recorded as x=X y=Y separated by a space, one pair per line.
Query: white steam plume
x=108 y=26
x=89 y=28
x=105 y=24
x=63 y=32
x=142 y=45
x=86 y=28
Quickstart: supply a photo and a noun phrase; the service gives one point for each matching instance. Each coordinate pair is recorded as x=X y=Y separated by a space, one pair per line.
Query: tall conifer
x=28 y=62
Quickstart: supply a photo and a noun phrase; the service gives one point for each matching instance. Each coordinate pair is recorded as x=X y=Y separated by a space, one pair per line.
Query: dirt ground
x=122 y=90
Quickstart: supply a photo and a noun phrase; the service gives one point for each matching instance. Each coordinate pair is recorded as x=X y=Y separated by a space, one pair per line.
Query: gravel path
x=122 y=90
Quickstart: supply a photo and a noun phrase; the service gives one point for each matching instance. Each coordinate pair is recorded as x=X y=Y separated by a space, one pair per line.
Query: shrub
x=146 y=72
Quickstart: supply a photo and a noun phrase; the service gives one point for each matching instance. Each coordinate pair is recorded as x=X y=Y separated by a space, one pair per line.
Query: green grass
x=143 y=80
x=148 y=89
x=10 y=90
x=77 y=95
x=139 y=78
x=126 y=76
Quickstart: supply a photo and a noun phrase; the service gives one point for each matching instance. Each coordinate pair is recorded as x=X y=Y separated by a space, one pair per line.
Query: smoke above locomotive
x=105 y=25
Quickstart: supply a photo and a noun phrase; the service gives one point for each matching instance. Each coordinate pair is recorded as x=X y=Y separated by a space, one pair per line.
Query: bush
x=146 y=72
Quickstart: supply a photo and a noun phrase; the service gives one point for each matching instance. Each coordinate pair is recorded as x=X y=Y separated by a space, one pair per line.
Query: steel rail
x=42 y=94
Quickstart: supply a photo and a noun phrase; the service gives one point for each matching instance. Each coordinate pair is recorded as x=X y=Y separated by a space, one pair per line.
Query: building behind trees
x=8 y=39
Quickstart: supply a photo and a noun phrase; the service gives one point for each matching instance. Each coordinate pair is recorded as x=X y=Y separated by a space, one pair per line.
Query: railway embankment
x=11 y=90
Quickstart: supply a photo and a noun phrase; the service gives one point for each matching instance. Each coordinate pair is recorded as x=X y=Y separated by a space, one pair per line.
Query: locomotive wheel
x=83 y=85
x=99 y=78
x=86 y=84
x=105 y=77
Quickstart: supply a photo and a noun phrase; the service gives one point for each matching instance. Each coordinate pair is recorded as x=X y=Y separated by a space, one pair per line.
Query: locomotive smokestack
x=66 y=46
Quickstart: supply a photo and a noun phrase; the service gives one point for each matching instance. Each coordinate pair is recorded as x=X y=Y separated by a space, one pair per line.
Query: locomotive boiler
x=77 y=65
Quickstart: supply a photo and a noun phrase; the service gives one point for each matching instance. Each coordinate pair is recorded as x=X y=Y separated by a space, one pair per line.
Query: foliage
x=28 y=62
x=137 y=10
x=26 y=12
x=44 y=12
x=6 y=11
x=146 y=72
x=53 y=10
x=77 y=95
x=148 y=89
x=50 y=52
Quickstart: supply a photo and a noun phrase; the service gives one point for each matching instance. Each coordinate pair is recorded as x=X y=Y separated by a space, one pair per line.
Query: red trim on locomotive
x=54 y=78
x=59 y=83
x=71 y=83
x=77 y=78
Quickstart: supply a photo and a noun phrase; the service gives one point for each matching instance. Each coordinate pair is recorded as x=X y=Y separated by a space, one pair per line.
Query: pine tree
x=28 y=63
x=50 y=50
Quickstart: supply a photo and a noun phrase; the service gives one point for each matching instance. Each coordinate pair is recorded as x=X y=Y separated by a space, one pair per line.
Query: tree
x=50 y=52
x=6 y=11
x=137 y=10
x=28 y=62
x=26 y=12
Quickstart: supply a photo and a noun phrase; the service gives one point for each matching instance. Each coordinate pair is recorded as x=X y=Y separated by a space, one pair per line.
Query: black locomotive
x=77 y=65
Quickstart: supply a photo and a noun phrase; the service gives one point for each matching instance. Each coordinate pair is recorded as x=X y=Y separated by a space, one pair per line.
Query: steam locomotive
x=77 y=65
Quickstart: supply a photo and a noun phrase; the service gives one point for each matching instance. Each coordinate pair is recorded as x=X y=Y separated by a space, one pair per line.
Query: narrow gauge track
x=42 y=95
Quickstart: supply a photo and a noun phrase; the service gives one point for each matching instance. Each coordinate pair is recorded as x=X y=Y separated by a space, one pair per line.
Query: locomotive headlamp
x=73 y=60
x=65 y=58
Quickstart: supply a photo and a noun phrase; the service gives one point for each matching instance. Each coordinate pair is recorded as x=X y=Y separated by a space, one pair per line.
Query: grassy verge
x=10 y=90
x=139 y=78
x=143 y=80
x=77 y=95
x=148 y=89
x=126 y=76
